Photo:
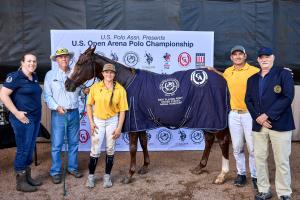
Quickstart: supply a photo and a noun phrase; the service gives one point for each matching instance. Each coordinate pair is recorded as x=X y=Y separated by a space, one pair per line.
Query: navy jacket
x=276 y=99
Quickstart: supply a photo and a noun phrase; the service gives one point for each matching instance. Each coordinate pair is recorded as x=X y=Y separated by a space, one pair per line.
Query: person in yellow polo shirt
x=106 y=106
x=239 y=119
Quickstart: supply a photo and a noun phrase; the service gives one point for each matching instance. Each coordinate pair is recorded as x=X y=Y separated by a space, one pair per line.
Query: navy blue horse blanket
x=195 y=98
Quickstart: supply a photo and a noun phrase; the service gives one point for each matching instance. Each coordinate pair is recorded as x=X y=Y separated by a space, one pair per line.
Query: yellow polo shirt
x=237 y=84
x=99 y=96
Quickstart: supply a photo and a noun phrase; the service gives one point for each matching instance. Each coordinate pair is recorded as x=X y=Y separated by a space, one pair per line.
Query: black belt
x=71 y=110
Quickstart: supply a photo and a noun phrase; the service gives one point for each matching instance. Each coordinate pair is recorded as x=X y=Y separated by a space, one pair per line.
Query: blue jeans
x=58 y=121
x=25 y=136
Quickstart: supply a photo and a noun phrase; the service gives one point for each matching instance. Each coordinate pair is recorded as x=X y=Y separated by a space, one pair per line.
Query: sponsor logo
x=125 y=137
x=200 y=60
x=149 y=58
x=114 y=56
x=169 y=86
x=131 y=58
x=197 y=136
x=167 y=60
x=184 y=59
x=199 y=77
x=164 y=136
x=182 y=136
x=84 y=136
x=8 y=79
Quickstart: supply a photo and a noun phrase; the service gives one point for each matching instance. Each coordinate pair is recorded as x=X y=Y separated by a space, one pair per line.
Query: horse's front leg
x=224 y=141
x=133 y=138
x=209 y=140
x=144 y=144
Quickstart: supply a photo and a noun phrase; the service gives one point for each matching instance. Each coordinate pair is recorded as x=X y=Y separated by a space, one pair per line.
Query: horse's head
x=84 y=69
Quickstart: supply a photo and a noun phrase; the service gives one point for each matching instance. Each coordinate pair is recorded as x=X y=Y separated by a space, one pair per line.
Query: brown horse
x=90 y=64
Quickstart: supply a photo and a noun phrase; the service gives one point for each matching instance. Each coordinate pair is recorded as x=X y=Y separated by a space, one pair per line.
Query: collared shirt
x=55 y=93
x=237 y=84
x=26 y=94
x=99 y=96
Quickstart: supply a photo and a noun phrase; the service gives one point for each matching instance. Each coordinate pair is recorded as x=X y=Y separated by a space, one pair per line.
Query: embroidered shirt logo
x=8 y=79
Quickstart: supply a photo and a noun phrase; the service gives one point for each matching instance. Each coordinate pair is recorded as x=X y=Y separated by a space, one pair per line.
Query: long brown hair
x=112 y=94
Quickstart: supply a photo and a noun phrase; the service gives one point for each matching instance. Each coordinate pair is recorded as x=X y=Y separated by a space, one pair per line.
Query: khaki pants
x=281 y=145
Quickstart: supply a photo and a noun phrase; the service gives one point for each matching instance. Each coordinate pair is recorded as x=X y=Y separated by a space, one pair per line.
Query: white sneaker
x=107 y=181
x=90 y=182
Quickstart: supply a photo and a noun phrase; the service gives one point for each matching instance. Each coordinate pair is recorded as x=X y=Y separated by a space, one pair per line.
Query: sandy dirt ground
x=169 y=178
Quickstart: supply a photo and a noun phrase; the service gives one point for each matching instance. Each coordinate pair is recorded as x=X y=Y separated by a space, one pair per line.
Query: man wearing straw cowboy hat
x=64 y=115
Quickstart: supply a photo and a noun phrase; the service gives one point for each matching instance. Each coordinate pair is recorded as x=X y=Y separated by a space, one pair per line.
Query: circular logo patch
x=131 y=58
x=84 y=136
x=197 y=136
x=8 y=79
x=164 y=136
x=277 y=89
x=169 y=86
x=184 y=59
x=199 y=77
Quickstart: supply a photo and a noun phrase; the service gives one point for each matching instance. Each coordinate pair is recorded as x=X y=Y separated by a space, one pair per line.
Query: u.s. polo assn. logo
x=199 y=77
x=169 y=86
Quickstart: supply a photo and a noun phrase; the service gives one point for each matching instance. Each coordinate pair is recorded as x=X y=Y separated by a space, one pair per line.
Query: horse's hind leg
x=144 y=144
x=224 y=141
x=209 y=140
x=133 y=138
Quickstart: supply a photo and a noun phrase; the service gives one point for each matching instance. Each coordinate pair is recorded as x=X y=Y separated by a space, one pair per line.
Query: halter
x=84 y=86
x=94 y=75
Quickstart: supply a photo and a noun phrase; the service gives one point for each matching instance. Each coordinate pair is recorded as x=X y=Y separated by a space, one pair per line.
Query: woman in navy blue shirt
x=21 y=94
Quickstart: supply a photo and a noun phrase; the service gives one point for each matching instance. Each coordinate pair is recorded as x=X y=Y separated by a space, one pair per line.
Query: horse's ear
x=93 y=49
x=87 y=50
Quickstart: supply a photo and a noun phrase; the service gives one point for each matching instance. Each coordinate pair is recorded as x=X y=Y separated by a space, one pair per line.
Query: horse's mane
x=108 y=60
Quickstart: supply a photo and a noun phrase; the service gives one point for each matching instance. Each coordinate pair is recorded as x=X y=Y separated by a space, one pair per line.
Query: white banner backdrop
x=156 y=51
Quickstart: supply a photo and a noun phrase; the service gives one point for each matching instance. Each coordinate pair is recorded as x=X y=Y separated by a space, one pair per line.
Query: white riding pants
x=105 y=129
x=240 y=126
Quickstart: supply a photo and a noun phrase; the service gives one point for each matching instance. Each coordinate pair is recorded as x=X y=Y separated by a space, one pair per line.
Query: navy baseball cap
x=264 y=51
x=238 y=48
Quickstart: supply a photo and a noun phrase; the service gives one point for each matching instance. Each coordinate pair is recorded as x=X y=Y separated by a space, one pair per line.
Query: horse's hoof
x=126 y=180
x=221 y=178
x=143 y=170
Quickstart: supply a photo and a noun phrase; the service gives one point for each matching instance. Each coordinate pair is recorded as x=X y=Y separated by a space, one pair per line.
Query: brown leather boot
x=22 y=184
x=30 y=180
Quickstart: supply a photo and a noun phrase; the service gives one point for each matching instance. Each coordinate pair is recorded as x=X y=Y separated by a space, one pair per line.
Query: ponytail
x=112 y=94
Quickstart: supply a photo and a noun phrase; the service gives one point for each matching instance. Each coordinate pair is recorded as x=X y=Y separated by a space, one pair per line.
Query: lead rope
x=65 y=157
x=84 y=105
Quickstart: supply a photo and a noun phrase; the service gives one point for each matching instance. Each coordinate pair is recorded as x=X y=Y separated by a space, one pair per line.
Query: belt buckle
x=239 y=111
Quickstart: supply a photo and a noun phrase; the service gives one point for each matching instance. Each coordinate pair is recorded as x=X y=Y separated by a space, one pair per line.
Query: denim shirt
x=55 y=93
